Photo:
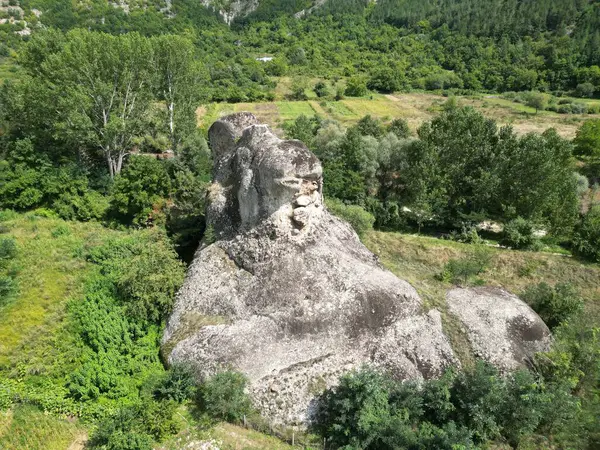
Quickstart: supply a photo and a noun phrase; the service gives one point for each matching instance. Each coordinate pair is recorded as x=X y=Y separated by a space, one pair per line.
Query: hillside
x=146 y=263
x=37 y=315
x=415 y=108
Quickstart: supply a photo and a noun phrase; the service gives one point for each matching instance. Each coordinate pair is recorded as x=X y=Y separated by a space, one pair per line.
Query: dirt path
x=79 y=442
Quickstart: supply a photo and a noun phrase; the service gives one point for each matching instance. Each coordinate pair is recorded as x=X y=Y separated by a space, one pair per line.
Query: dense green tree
x=105 y=84
x=384 y=79
x=176 y=84
x=400 y=128
x=356 y=87
x=538 y=101
x=586 y=240
x=587 y=141
x=222 y=396
x=136 y=191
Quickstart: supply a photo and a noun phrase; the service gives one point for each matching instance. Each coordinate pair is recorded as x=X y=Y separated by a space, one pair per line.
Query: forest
x=104 y=173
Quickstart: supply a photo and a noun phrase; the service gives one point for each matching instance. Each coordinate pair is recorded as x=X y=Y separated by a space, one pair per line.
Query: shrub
x=578 y=108
x=361 y=220
x=177 y=384
x=139 y=186
x=356 y=87
x=587 y=141
x=585 y=90
x=384 y=79
x=554 y=305
x=60 y=230
x=121 y=432
x=368 y=126
x=371 y=411
x=321 y=89
x=400 y=128
x=223 y=397
x=586 y=239
x=135 y=427
x=355 y=412
x=564 y=109
x=463 y=269
x=537 y=100
x=298 y=89
x=146 y=273
x=8 y=250
x=8 y=289
x=519 y=233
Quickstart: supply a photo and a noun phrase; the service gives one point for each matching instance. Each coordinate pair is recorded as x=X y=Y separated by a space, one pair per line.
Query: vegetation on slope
x=86 y=282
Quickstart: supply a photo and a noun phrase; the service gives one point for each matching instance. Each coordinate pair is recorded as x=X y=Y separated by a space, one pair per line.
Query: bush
x=8 y=289
x=137 y=189
x=223 y=397
x=400 y=128
x=369 y=410
x=321 y=89
x=554 y=305
x=586 y=239
x=519 y=233
x=8 y=250
x=463 y=269
x=587 y=141
x=177 y=384
x=135 y=427
x=356 y=87
x=579 y=108
x=298 y=89
x=384 y=79
x=585 y=90
x=361 y=220
x=368 y=126
x=145 y=271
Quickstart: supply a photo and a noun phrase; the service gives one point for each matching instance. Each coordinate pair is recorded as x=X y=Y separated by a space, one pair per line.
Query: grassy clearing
x=225 y=435
x=8 y=70
x=291 y=110
x=418 y=259
x=416 y=108
x=51 y=270
x=25 y=427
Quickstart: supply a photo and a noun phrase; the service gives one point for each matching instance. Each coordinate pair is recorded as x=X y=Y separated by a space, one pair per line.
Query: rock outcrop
x=501 y=328
x=287 y=294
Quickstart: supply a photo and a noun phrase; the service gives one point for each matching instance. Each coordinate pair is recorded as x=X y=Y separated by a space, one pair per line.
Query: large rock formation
x=287 y=294
x=501 y=328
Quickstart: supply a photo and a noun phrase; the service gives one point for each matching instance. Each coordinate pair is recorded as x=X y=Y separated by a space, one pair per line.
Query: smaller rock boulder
x=501 y=328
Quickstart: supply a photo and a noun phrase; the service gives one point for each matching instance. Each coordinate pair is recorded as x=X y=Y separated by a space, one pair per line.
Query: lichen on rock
x=502 y=328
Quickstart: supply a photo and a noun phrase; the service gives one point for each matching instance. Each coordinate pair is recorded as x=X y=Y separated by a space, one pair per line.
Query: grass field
x=52 y=270
x=8 y=69
x=416 y=108
x=419 y=259
x=27 y=428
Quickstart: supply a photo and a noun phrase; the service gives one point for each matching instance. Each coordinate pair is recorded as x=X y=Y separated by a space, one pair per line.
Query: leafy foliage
x=463 y=269
x=586 y=241
x=555 y=305
x=369 y=410
x=361 y=220
x=223 y=396
x=136 y=190
x=177 y=384
x=145 y=277
x=520 y=233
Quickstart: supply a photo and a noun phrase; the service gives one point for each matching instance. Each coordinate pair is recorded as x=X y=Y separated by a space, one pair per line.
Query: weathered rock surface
x=287 y=294
x=501 y=328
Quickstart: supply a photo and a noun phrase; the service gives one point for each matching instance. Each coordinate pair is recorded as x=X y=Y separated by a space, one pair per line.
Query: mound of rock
x=501 y=328
x=287 y=294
